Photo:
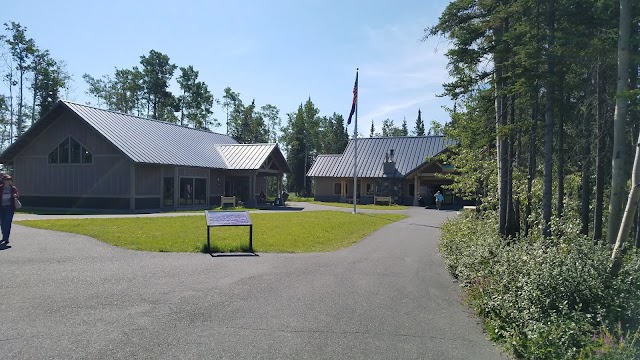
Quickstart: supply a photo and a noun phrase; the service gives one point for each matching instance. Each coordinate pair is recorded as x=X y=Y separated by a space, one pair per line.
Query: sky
x=278 y=52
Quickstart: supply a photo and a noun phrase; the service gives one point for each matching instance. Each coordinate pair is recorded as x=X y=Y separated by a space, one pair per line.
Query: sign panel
x=228 y=218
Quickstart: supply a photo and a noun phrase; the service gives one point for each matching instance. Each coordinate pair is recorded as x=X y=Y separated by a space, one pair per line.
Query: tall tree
x=618 y=176
x=303 y=138
x=389 y=129
x=22 y=49
x=158 y=71
x=435 y=129
x=419 y=129
x=372 y=130
x=229 y=102
x=404 y=130
x=196 y=101
x=272 y=116
x=549 y=121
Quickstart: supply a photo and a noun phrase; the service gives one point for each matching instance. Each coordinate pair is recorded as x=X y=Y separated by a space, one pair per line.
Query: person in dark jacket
x=7 y=206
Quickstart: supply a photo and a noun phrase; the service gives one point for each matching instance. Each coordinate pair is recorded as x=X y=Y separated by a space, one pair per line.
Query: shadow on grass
x=234 y=250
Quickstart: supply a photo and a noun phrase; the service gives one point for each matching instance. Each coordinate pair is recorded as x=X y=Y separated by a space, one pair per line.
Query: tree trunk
x=511 y=228
x=11 y=110
x=20 y=104
x=618 y=178
x=560 y=175
x=516 y=202
x=548 y=124
x=600 y=149
x=629 y=212
x=501 y=140
x=586 y=173
x=532 y=161
x=637 y=225
x=35 y=95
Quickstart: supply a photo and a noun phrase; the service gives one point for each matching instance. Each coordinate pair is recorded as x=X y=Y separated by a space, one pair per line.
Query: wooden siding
x=148 y=179
x=107 y=176
x=324 y=185
x=68 y=125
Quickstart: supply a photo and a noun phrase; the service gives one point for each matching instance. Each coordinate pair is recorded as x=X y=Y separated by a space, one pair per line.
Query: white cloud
x=402 y=75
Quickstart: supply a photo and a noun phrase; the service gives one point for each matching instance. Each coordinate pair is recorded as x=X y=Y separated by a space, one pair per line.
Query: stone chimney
x=389 y=165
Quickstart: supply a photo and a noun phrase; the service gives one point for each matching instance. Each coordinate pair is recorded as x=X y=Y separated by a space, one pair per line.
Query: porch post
x=251 y=202
x=416 y=188
x=343 y=191
x=132 y=186
x=279 y=194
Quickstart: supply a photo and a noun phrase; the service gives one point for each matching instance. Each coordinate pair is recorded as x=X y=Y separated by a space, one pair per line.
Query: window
x=370 y=187
x=412 y=190
x=193 y=191
x=70 y=152
x=337 y=189
x=200 y=192
x=167 y=191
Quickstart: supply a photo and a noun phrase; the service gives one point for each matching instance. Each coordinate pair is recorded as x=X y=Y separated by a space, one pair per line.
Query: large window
x=337 y=189
x=70 y=152
x=412 y=189
x=370 y=187
x=193 y=191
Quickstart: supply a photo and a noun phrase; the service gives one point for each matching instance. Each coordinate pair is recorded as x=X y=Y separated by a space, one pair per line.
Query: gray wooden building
x=77 y=156
x=402 y=168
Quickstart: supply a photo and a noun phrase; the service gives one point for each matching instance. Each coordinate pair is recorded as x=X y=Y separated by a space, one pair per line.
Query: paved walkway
x=387 y=297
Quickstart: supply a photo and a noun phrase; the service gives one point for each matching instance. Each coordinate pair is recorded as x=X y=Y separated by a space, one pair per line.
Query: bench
x=229 y=200
x=377 y=199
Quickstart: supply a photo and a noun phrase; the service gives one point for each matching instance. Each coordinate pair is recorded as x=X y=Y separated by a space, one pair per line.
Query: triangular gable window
x=70 y=152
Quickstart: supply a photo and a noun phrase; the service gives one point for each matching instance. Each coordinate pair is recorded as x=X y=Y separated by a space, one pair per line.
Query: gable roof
x=251 y=156
x=324 y=165
x=155 y=142
x=142 y=140
x=409 y=153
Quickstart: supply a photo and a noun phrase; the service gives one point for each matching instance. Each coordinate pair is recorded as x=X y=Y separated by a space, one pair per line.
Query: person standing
x=439 y=199
x=7 y=206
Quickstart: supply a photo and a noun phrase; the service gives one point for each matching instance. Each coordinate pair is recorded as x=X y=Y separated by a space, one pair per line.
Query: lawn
x=314 y=231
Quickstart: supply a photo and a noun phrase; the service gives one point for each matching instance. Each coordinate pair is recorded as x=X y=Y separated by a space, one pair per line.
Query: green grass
x=317 y=231
x=368 y=206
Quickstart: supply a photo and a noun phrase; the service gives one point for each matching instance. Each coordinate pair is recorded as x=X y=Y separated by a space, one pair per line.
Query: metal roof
x=324 y=164
x=251 y=156
x=155 y=142
x=409 y=153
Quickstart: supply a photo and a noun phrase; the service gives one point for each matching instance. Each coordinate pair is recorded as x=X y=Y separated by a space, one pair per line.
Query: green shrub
x=542 y=298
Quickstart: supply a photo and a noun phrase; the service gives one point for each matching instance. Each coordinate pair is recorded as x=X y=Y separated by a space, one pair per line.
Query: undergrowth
x=545 y=298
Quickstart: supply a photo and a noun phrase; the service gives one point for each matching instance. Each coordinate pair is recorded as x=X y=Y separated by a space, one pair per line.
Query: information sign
x=228 y=218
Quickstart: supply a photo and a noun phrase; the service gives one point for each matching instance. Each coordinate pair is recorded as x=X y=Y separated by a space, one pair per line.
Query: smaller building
x=402 y=168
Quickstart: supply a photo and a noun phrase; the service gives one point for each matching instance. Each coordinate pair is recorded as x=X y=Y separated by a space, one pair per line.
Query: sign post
x=228 y=218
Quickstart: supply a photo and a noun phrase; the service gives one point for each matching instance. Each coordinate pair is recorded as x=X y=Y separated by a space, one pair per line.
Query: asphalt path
x=67 y=296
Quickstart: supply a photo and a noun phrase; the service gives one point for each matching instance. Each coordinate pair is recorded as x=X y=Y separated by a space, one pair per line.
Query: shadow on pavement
x=215 y=255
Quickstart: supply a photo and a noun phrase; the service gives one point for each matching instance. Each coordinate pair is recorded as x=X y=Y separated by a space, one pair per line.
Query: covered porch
x=254 y=170
x=425 y=181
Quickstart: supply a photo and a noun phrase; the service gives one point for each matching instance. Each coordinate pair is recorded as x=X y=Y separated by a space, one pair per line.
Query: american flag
x=355 y=100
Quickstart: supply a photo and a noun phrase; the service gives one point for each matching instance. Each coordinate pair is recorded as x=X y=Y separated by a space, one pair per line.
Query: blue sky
x=278 y=52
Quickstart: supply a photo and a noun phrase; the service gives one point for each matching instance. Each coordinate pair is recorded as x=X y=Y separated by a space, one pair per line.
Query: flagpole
x=355 y=152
